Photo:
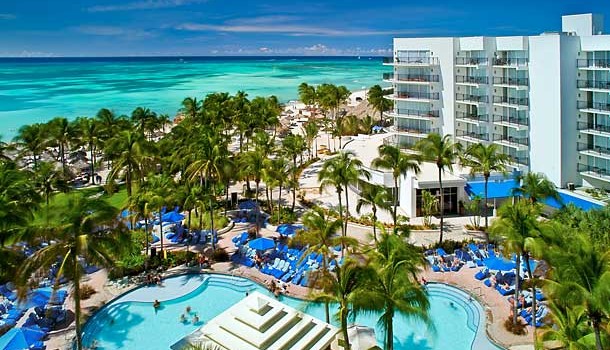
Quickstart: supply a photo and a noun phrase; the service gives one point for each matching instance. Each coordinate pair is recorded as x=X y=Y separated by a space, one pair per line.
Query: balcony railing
x=416 y=113
x=593 y=127
x=511 y=62
x=472 y=98
x=472 y=134
x=593 y=148
x=519 y=160
x=471 y=79
x=393 y=141
x=519 y=101
x=593 y=84
x=597 y=171
x=472 y=116
x=510 y=120
x=412 y=77
x=411 y=60
x=417 y=95
x=593 y=63
x=511 y=81
x=470 y=61
x=512 y=139
x=593 y=105
x=414 y=130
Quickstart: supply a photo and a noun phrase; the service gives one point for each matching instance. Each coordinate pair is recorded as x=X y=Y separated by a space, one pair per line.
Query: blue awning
x=495 y=188
x=568 y=198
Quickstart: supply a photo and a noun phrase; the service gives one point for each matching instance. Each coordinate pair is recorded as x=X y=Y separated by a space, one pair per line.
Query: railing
x=512 y=62
x=411 y=60
x=473 y=98
x=471 y=134
x=593 y=148
x=519 y=101
x=593 y=63
x=594 y=105
x=593 y=127
x=519 y=160
x=417 y=95
x=511 y=81
x=471 y=79
x=510 y=120
x=512 y=139
x=392 y=141
x=414 y=130
x=412 y=77
x=593 y=84
x=417 y=113
x=593 y=169
x=470 y=60
x=472 y=116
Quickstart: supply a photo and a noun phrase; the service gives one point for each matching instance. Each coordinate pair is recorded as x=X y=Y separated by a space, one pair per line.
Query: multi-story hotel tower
x=544 y=100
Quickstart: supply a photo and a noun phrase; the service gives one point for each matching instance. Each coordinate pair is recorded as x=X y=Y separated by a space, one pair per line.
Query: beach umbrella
x=499 y=264
x=247 y=205
x=261 y=243
x=172 y=217
x=13 y=340
x=33 y=334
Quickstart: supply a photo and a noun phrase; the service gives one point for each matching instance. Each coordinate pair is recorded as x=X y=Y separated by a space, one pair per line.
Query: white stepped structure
x=260 y=322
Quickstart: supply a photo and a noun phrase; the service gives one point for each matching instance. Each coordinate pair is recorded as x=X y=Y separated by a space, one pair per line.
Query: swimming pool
x=131 y=322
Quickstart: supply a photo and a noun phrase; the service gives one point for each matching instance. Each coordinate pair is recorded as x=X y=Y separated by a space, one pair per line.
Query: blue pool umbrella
x=499 y=264
x=33 y=334
x=13 y=340
x=247 y=205
x=172 y=217
x=261 y=243
x=288 y=229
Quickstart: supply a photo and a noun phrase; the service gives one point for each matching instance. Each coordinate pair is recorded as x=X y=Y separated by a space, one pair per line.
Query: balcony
x=594 y=150
x=471 y=117
x=509 y=121
x=593 y=84
x=515 y=102
x=594 y=129
x=407 y=145
x=472 y=136
x=511 y=82
x=400 y=95
x=412 y=78
x=593 y=171
x=410 y=61
x=510 y=62
x=593 y=63
x=511 y=141
x=470 y=61
x=465 y=79
x=594 y=107
x=413 y=114
x=523 y=161
x=421 y=131
x=467 y=98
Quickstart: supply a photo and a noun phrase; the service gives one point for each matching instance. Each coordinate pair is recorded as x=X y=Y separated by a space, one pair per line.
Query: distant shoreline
x=13 y=59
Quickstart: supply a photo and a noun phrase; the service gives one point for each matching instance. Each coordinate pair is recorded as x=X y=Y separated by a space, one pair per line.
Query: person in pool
x=156 y=304
x=182 y=318
x=195 y=318
x=188 y=309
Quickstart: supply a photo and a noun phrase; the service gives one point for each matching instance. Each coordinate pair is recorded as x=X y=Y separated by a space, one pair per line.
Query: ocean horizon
x=37 y=89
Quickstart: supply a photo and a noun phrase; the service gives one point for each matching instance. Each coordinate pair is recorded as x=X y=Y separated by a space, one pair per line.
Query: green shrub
x=86 y=291
x=287 y=217
x=220 y=255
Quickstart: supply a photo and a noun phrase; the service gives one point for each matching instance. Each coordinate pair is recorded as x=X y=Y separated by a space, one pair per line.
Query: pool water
x=131 y=322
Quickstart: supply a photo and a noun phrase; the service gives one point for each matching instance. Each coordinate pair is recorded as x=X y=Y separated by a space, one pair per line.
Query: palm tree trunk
x=258 y=212
x=374 y=208
x=346 y=208
x=395 y=212
x=128 y=181
x=270 y=202
x=212 y=215
x=161 y=231
x=442 y=204
x=597 y=331
x=92 y=163
x=294 y=181
x=279 y=206
x=146 y=234
x=226 y=198
x=341 y=212
x=526 y=258
x=76 y=296
x=485 y=210
x=516 y=299
x=188 y=241
x=389 y=339
x=344 y=311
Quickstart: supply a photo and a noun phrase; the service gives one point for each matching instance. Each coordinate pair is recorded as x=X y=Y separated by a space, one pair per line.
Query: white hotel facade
x=544 y=100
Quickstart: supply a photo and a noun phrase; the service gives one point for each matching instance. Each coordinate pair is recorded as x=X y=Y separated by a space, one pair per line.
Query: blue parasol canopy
x=33 y=334
x=288 y=229
x=172 y=217
x=499 y=264
x=249 y=204
x=261 y=244
x=13 y=340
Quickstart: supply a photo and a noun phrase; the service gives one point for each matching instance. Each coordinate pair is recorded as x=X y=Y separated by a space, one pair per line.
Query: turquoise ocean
x=38 y=89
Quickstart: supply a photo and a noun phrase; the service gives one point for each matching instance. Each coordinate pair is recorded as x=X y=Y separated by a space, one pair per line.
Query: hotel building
x=544 y=99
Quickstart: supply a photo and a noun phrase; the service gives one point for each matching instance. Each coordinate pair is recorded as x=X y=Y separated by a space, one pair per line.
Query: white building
x=545 y=99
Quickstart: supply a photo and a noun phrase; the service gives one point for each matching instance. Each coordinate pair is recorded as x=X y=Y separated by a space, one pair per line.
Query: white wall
x=570 y=45
x=584 y=24
x=511 y=43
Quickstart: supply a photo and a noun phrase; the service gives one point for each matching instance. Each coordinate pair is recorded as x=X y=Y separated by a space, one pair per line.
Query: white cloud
x=143 y=5
x=126 y=33
x=7 y=16
x=313 y=50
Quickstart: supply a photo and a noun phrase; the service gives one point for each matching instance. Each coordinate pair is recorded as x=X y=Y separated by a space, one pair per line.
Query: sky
x=78 y=28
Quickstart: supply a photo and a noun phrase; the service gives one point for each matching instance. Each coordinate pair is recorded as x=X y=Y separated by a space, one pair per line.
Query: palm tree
x=90 y=133
x=570 y=327
x=376 y=99
x=320 y=237
x=307 y=94
x=392 y=158
x=130 y=153
x=61 y=133
x=443 y=152
x=344 y=287
x=537 y=187
x=144 y=120
x=485 y=160
x=141 y=205
x=191 y=107
x=18 y=200
x=110 y=123
x=278 y=169
x=377 y=197
x=581 y=277
x=159 y=189
x=311 y=133
x=519 y=229
x=254 y=163
x=394 y=287
x=84 y=228
x=31 y=140
x=292 y=147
